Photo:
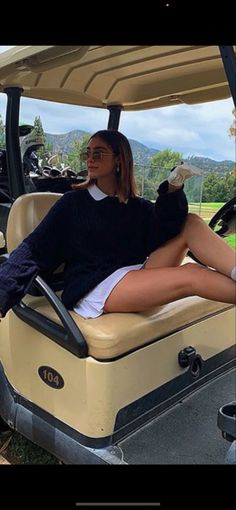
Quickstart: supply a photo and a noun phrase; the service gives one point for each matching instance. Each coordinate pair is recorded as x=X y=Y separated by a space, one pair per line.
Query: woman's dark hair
x=119 y=144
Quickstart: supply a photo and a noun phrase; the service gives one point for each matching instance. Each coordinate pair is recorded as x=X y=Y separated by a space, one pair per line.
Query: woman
x=121 y=252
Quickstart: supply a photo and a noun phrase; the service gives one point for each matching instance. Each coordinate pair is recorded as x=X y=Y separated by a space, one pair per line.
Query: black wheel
x=225 y=219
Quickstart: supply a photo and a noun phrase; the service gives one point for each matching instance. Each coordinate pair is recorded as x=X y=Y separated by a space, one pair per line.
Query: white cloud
x=5 y=48
x=193 y=130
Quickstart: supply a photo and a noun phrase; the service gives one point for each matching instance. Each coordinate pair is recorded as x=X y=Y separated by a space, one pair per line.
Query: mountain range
x=142 y=154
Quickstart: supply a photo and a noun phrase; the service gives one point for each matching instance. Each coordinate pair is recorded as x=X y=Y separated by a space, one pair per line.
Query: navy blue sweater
x=93 y=239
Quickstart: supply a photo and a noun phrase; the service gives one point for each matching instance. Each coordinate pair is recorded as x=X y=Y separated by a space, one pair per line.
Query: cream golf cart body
x=121 y=388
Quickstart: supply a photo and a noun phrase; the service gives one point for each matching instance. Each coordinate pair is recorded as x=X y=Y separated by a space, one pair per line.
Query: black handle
x=69 y=337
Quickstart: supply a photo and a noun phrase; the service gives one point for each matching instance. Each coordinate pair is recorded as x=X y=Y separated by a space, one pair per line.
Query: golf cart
x=124 y=388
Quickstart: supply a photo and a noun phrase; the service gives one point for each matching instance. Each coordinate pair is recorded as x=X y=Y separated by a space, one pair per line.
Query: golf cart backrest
x=25 y=214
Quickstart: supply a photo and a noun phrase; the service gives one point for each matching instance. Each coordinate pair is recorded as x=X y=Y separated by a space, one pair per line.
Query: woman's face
x=101 y=161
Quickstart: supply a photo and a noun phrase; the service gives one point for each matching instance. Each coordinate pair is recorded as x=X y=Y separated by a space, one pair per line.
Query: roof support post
x=14 y=163
x=229 y=60
x=114 y=117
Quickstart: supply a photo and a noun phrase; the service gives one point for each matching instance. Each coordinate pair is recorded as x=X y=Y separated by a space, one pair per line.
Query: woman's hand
x=181 y=173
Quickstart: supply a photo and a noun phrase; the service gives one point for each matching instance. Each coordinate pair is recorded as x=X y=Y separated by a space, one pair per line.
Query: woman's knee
x=191 y=222
x=194 y=273
x=193 y=219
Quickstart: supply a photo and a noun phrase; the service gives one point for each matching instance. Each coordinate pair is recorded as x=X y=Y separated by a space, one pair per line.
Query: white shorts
x=92 y=304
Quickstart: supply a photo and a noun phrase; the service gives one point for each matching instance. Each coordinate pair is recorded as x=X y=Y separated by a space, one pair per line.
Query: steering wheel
x=225 y=218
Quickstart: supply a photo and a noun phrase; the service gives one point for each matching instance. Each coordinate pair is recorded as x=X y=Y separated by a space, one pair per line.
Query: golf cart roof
x=133 y=77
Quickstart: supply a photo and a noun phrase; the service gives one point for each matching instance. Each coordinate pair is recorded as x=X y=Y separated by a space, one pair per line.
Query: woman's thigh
x=140 y=290
x=170 y=254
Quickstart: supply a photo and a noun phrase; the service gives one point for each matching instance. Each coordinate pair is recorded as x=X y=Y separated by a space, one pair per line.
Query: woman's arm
x=16 y=276
x=164 y=219
x=44 y=249
x=171 y=206
x=171 y=209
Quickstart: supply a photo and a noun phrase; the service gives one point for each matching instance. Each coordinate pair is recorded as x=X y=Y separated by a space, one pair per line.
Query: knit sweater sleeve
x=166 y=217
x=42 y=250
x=16 y=276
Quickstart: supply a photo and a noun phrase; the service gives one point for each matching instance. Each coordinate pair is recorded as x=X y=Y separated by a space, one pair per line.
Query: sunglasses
x=95 y=155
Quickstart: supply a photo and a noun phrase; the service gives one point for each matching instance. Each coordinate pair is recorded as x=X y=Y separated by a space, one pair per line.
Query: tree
x=38 y=131
x=38 y=127
x=218 y=188
x=162 y=163
x=2 y=132
x=73 y=158
x=232 y=129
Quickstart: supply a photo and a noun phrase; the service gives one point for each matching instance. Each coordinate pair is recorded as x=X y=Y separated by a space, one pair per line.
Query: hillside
x=142 y=154
x=62 y=143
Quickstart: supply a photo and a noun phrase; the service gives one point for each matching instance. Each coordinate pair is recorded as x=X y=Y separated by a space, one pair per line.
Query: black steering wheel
x=225 y=219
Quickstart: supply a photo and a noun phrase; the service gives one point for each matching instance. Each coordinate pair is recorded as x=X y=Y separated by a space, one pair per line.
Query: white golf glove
x=181 y=173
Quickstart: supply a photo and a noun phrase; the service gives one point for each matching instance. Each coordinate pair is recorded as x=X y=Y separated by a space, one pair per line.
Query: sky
x=198 y=130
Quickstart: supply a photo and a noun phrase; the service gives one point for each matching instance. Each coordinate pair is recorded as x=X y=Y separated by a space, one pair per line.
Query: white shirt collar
x=96 y=193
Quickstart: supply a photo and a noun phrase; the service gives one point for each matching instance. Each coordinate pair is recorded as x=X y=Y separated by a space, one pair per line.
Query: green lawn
x=206 y=210
x=231 y=240
x=205 y=205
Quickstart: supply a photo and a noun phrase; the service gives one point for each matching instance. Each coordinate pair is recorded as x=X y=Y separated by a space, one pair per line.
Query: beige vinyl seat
x=110 y=335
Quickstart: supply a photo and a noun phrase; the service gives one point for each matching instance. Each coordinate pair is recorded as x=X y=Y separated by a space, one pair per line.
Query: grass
x=206 y=211
x=215 y=206
x=22 y=451
x=231 y=240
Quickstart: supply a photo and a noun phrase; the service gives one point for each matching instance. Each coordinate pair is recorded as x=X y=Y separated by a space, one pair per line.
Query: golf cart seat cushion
x=25 y=214
x=114 y=334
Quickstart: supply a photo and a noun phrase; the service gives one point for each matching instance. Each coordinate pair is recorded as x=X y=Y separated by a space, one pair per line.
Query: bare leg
x=205 y=244
x=208 y=247
x=171 y=254
x=140 y=290
x=162 y=281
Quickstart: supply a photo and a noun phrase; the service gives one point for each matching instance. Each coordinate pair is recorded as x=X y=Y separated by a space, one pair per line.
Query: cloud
x=200 y=130
x=5 y=48
x=193 y=130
